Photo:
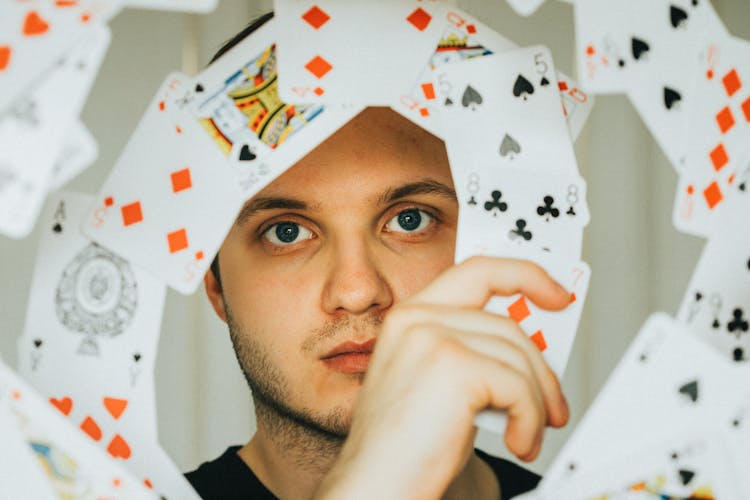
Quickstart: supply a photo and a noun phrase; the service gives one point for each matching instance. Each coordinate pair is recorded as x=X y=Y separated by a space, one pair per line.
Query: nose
x=355 y=283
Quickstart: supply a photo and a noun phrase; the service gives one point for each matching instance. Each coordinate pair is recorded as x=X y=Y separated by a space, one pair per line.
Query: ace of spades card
x=504 y=110
x=656 y=389
x=90 y=341
x=553 y=333
x=171 y=197
x=661 y=78
x=236 y=104
x=466 y=38
x=718 y=134
x=34 y=127
x=353 y=52
x=689 y=464
x=519 y=209
x=716 y=305
x=68 y=463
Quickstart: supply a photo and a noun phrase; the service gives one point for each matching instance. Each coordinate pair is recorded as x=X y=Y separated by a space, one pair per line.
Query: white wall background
x=640 y=263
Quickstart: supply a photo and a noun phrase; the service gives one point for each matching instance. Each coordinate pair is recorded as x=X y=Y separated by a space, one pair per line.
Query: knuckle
x=474 y=263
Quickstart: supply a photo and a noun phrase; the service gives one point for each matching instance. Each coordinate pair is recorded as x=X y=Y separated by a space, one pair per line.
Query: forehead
x=376 y=150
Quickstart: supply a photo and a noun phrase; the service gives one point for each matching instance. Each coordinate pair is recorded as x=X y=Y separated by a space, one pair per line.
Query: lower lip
x=355 y=362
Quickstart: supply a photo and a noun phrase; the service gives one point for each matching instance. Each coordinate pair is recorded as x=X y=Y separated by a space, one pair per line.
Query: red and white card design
x=464 y=38
x=353 y=51
x=718 y=136
x=552 y=332
x=34 y=128
x=34 y=34
x=170 y=198
x=65 y=457
x=236 y=105
x=90 y=341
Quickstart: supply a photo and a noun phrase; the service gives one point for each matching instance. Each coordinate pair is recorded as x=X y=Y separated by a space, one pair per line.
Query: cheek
x=271 y=302
x=414 y=274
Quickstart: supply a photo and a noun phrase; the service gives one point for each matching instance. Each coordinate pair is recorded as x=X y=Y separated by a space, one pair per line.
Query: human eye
x=287 y=233
x=412 y=220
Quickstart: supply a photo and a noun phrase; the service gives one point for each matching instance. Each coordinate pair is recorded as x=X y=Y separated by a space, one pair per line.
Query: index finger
x=475 y=281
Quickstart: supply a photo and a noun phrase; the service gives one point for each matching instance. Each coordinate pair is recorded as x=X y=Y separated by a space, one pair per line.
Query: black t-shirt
x=229 y=478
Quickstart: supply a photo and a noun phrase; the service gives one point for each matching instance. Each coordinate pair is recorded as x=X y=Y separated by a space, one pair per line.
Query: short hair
x=236 y=39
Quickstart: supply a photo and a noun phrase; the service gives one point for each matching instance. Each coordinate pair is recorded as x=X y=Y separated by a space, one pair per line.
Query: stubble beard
x=303 y=428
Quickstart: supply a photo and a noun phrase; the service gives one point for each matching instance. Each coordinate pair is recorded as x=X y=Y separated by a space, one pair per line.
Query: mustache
x=344 y=328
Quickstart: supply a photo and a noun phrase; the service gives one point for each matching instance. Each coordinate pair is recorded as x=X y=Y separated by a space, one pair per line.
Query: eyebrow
x=427 y=186
x=256 y=205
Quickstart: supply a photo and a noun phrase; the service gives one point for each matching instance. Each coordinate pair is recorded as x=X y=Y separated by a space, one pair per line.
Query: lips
x=350 y=357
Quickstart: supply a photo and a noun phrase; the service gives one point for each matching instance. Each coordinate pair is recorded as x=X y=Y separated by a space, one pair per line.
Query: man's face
x=318 y=257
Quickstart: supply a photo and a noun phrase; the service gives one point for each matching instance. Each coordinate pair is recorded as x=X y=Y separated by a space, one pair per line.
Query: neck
x=289 y=458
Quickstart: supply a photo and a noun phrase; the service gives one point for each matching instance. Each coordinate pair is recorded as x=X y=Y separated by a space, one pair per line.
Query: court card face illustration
x=655 y=390
x=716 y=305
x=70 y=463
x=170 y=198
x=237 y=106
x=464 y=38
x=690 y=464
x=36 y=124
x=505 y=107
x=519 y=209
x=718 y=135
x=353 y=52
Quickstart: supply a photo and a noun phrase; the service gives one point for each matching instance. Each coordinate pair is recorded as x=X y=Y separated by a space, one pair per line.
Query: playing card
x=78 y=152
x=604 y=44
x=33 y=130
x=170 y=198
x=718 y=135
x=552 y=332
x=661 y=77
x=736 y=433
x=691 y=464
x=716 y=305
x=519 y=209
x=463 y=38
x=21 y=476
x=236 y=104
x=657 y=389
x=73 y=467
x=33 y=35
x=525 y=7
x=90 y=312
x=90 y=342
x=504 y=110
x=201 y=6
x=353 y=51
